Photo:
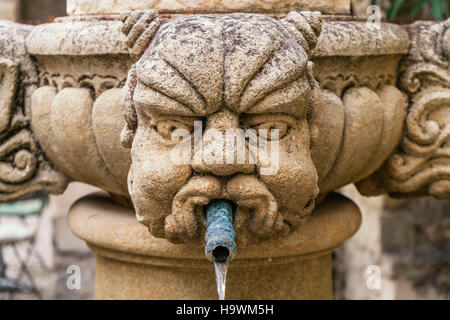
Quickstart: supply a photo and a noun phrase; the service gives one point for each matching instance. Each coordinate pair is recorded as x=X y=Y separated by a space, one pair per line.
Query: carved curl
x=305 y=27
x=23 y=166
x=139 y=27
x=428 y=62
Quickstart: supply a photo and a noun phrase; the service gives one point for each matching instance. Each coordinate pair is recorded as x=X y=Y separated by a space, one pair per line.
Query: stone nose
x=222 y=150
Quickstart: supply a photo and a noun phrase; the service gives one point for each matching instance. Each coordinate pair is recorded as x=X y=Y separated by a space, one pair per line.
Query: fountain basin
x=131 y=264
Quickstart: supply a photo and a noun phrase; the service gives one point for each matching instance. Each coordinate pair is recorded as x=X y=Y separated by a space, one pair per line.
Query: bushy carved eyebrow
x=169 y=84
x=293 y=100
x=147 y=97
x=276 y=62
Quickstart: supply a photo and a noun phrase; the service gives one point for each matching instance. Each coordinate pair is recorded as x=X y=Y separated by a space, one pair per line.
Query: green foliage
x=396 y=6
x=418 y=6
x=439 y=8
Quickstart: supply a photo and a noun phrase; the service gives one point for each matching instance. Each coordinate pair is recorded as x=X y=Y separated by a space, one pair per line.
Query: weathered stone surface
x=359 y=38
x=168 y=87
x=77 y=38
x=222 y=70
x=66 y=116
x=76 y=7
x=421 y=164
x=95 y=35
x=144 y=267
x=23 y=166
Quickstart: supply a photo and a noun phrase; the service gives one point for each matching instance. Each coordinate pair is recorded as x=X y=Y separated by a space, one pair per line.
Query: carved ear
x=129 y=110
x=9 y=81
x=305 y=26
x=139 y=27
x=315 y=88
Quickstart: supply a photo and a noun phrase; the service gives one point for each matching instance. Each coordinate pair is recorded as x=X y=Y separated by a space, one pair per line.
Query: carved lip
x=255 y=206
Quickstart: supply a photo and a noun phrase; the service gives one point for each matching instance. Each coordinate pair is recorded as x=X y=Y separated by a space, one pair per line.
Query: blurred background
x=405 y=11
x=406 y=242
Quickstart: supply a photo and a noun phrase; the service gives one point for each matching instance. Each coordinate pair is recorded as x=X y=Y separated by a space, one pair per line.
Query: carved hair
x=139 y=27
x=306 y=27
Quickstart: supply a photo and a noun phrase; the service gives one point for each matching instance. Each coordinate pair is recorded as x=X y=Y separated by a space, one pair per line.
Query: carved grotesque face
x=219 y=74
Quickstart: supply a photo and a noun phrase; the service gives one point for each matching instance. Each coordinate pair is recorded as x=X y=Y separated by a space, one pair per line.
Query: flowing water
x=221 y=277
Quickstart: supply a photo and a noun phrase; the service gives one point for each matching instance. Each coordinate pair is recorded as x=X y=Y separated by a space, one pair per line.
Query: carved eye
x=272 y=130
x=167 y=128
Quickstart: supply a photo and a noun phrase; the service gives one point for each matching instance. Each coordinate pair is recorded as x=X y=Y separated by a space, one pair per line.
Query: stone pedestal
x=131 y=264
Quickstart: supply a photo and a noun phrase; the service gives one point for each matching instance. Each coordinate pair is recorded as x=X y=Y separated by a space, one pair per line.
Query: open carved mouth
x=220 y=235
x=253 y=204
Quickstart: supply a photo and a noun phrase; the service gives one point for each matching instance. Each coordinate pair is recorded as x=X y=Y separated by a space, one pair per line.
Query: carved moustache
x=256 y=207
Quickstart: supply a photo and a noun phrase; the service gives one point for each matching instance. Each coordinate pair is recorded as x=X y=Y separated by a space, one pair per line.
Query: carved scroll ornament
x=23 y=166
x=421 y=164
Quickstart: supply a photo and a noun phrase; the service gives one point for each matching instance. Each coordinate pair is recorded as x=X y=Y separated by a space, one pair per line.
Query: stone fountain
x=97 y=96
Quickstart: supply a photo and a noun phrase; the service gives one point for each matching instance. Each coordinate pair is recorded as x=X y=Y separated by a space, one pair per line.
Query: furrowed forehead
x=204 y=63
x=292 y=100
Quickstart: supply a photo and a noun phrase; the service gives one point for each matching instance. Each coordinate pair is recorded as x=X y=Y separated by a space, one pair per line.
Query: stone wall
x=408 y=240
x=415 y=235
x=31 y=11
x=42 y=11
x=9 y=10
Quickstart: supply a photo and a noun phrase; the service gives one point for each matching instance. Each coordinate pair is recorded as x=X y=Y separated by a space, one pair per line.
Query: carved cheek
x=296 y=179
x=154 y=180
x=154 y=171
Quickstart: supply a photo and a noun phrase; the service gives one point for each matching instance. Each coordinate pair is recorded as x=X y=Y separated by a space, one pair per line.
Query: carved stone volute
x=421 y=163
x=24 y=167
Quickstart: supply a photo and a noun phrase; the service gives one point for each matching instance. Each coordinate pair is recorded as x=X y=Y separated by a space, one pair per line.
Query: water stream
x=221 y=268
